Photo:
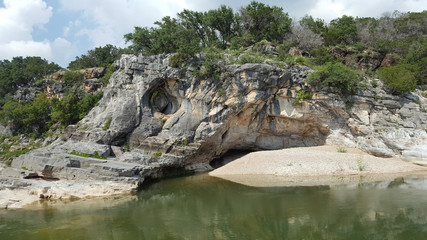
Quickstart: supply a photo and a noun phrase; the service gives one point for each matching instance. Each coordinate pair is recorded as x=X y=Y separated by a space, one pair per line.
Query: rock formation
x=170 y=119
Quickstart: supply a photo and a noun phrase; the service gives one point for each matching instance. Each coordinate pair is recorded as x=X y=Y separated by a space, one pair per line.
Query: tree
x=196 y=21
x=317 y=26
x=304 y=38
x=168 y=37
x=98 y=57
x=141 y=40
x=365 y=29
x=341 y=30
x=223 y=22
x=27 y=118
x=22 y=71
x=261 y=21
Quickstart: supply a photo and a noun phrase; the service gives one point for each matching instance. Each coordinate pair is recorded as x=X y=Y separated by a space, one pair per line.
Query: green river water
x=203 y=207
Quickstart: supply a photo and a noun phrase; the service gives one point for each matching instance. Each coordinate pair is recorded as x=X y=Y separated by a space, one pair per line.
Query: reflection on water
x=203 y=207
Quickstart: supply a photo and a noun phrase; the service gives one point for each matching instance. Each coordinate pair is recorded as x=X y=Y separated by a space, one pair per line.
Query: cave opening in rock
x=228 y=157
x=162 y=100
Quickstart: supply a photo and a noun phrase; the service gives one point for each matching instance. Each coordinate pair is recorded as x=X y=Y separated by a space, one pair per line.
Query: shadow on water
x=204 y=207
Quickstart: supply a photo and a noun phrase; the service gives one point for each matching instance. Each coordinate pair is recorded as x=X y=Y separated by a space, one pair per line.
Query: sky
x=60 y=30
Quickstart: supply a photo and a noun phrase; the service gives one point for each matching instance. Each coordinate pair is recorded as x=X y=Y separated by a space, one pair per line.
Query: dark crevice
x=229 y=156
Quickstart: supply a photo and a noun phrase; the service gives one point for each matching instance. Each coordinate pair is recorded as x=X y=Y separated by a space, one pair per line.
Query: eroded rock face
x=170 y=119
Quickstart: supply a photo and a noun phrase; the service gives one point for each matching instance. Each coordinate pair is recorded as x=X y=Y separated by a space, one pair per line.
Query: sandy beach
x=311 y=166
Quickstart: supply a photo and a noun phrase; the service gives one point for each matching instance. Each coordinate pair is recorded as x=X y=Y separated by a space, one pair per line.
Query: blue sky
x=60 y=30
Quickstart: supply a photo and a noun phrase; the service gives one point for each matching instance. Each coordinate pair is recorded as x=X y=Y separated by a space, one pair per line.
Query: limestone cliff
x=171 y=119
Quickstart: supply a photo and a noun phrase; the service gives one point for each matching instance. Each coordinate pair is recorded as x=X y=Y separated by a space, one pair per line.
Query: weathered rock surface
x=171 y=119
x=5 y=130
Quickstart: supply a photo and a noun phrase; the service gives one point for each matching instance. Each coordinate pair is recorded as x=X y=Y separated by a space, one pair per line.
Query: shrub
x=250 y=58
x=106 y=78
x=398 y=79
x=321 y=56
x=176 y=60
x=336 y=75
x=302 y=94
x=71 y=78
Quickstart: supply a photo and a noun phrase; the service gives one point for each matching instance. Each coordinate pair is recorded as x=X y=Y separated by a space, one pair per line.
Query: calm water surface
x=203 y=207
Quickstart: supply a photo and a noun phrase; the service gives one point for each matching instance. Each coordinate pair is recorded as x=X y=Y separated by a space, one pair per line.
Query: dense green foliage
x=260 y=21
x=37 y=117
x=336 y=75
x=399 y=79
x=98 y=57
x=342 y=30
x=22 y=71
x=71 y=78
x=403 y=34
x=214 y=28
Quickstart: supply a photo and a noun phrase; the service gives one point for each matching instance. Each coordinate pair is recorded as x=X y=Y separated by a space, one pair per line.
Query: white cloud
x=17 y=21
x=25 y=48
x=330 y=9
x=63 y=51
x=112 y=19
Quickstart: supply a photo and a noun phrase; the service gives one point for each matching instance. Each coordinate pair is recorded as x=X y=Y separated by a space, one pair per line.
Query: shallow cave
x=162 y=100
x=228 y=157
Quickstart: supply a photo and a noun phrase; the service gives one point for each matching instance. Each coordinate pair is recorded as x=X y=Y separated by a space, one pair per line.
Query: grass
x=126 y=147
x=221 y=92
x=87 y=155
x=7 y=155
x=361 y=166
x=157 y=155
x=341 y=150
x=184 y=142
x=107 y=124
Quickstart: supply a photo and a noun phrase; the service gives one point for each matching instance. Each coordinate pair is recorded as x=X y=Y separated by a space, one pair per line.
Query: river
x=204 y=207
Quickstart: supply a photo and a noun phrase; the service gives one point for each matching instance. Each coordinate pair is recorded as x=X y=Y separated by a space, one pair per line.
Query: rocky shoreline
x=322 y=165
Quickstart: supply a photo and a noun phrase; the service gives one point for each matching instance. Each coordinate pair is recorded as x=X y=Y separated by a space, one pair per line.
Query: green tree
x=140 y=40
x=317 y=26
x=261 y=21
x=27 y=118
x=223 y=21
x=196 y=21
x=168 y=37
x=98 y=57
x=341 y=30
x=22 y=71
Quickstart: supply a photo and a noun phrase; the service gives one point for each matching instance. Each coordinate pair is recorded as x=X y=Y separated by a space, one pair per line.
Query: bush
x=321 y=56
x=71 y=78
x=105 y=80
x=336 y=75
x=176 y=60
x=301 y=95
x=398 y=79
x=250 y=58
